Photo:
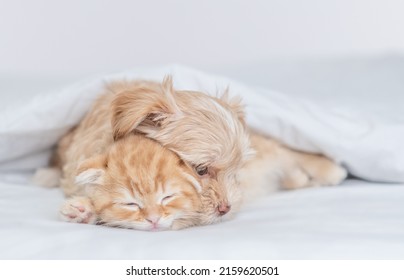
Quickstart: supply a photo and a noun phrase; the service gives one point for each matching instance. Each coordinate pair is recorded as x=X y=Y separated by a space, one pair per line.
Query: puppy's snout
x=223 y=209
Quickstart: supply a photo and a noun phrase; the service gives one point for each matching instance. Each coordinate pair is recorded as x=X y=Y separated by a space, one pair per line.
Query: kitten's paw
x=78 y=210
x=48 y=177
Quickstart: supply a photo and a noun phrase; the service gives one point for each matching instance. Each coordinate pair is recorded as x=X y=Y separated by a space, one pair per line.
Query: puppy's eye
x=201 y=170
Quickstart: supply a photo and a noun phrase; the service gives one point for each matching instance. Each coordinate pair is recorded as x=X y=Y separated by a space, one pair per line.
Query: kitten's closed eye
x=130 y=205
x=167 y=199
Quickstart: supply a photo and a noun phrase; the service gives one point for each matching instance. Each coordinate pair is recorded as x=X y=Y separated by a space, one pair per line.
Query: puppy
x=276 y=167
x=207 y=133
x=210 y=135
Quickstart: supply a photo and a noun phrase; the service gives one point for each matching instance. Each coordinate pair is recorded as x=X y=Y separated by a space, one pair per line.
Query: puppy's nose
x=223 y=209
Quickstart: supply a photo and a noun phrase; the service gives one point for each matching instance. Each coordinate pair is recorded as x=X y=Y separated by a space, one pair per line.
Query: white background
x=288 y=270
x=92 y=36
x=85 y=37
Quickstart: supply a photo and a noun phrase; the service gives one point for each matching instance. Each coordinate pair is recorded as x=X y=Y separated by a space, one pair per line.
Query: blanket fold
x=370 y=147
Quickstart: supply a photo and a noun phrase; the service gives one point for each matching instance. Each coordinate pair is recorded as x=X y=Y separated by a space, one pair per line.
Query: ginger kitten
x=134 y=183
x=208 y=133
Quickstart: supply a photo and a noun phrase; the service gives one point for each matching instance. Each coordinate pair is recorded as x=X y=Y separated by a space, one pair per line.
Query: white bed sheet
x=358 y=220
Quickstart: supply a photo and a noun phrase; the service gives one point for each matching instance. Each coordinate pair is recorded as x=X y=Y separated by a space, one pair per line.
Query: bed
x=361 y=219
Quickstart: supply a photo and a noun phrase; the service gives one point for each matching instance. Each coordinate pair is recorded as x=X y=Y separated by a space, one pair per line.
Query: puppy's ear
x=144 y=107
x=91 y=171
x=236 y=105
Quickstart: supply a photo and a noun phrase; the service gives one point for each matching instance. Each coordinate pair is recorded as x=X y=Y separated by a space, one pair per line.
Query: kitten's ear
x=145 y=107
x=236 y=105
x=91 y=171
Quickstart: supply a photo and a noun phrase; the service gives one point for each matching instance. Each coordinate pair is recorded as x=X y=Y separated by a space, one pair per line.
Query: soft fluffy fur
x=132 y=183
x=211 y=132
x=276 y=167
x=208 y=133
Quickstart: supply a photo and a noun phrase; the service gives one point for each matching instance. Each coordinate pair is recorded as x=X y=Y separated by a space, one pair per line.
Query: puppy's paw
x=295 y=179
x=322 y=171
x=332 y=176
x=78 y=210
x=327 y=174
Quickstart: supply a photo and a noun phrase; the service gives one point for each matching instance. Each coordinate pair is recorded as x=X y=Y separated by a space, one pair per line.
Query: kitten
x=209 y=134
x=133 y=183
x=211 y=139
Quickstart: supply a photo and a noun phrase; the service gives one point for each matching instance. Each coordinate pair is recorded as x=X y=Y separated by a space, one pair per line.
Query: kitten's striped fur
x=135 y=183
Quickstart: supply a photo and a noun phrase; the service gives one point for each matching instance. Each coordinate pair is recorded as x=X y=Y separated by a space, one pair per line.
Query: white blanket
x=358 y=220
x=369 y=146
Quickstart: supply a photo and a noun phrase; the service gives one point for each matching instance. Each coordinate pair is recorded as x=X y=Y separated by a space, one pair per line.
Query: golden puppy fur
x=132 y=183
x=215 y=163
x=208 y=133
x=276 y=167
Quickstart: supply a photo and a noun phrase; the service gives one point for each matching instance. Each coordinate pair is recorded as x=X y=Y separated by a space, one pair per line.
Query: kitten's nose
x=223 y=209
x=153 y=219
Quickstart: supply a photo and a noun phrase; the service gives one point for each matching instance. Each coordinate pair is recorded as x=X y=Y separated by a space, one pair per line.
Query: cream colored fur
x=208 y=133
x=133 y=182
x=275 y=167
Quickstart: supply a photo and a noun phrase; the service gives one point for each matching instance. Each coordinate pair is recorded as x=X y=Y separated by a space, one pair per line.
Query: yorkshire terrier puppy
x=208 y=133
